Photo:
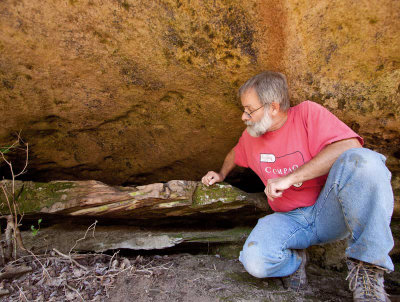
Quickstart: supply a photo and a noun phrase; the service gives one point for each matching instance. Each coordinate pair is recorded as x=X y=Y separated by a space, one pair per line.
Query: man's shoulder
x=305 y=107
x=307 y=104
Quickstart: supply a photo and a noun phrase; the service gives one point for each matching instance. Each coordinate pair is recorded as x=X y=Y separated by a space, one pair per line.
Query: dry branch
x=14 y=271
x=13 y=240
x=70 y=258
x=91 y=227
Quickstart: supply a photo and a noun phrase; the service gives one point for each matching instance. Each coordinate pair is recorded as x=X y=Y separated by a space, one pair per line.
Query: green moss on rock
x=218 y=193
x=237 y=234
x=34 y=196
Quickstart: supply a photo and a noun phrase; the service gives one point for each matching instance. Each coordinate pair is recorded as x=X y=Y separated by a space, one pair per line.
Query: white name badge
x=267 y=158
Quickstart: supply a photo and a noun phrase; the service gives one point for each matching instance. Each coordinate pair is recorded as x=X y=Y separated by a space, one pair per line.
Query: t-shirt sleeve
x=240 y=153
x=324 y=128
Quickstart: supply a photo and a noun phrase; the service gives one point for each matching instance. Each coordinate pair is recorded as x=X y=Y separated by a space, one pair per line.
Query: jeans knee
x=253 y=261
x=365 y=162
x=254 y=269
x=261 y=263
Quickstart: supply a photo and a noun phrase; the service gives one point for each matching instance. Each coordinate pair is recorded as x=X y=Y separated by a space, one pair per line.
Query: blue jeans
x=356 y=202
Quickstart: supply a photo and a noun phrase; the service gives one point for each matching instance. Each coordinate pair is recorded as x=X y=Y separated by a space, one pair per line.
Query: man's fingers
x=214 y=178
x=266 y=191
x=206 y=180
x=210 y=178
x=272 y=192
x=275 y=193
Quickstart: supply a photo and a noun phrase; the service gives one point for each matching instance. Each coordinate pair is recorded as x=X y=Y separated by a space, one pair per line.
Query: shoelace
x=369 y=282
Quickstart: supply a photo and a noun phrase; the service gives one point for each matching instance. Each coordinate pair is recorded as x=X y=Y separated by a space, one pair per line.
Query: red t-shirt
x=307 y=130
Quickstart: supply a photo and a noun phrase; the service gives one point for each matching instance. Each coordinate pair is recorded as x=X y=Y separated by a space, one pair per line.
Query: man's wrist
x=292 y=178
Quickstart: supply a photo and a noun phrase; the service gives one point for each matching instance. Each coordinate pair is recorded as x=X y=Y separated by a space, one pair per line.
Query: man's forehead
x=250 y=98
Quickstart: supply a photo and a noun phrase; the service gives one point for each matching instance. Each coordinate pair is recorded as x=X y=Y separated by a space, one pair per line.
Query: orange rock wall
x=145 y=91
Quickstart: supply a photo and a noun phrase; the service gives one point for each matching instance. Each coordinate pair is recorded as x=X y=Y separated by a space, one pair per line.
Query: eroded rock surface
x=176 y=198
x=135 y=92
x=67 y=237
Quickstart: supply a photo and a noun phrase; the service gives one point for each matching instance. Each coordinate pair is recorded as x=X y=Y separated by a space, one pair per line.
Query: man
x=321 y=183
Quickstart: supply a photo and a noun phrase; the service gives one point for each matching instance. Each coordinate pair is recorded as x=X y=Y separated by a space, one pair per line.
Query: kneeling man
x=320 y=182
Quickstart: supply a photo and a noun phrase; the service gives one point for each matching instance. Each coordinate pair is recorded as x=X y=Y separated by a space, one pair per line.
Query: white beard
x=257 y=129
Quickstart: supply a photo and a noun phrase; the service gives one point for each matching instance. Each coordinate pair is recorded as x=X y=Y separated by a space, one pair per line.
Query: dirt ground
x=207 y=278
x=176 y=277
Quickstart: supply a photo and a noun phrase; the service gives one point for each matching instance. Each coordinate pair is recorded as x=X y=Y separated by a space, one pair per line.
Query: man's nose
x=245 y=117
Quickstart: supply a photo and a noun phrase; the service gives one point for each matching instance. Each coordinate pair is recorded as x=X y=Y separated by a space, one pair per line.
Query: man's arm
x=318 y=166
x=212 y=177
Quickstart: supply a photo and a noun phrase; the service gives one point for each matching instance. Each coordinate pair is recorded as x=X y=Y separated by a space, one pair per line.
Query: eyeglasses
x=251 y=112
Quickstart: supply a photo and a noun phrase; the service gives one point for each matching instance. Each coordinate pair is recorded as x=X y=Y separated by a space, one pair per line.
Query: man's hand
x=276 y=186
x=211 y=178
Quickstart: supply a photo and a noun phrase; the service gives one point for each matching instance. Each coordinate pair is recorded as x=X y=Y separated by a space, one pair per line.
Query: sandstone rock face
x=154 y=202
x=143 y=91
x=64 y=237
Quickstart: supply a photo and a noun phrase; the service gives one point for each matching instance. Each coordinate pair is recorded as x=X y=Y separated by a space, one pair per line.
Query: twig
x=18 y=238
x=110 y=263
x=15 y=243
x=27 y=155
x=74 y=289
x=37 y=259
x=15 y=271
x=70 y=258
x=53 y=257
x=21 y=293
x=92 y=226
x=151 y=269
x=4 y=292
x=27 y=256
x=7 y=199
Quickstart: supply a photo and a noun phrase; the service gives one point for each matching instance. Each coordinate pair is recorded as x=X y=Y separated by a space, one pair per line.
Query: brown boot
x=297 y=280
x=366 y=281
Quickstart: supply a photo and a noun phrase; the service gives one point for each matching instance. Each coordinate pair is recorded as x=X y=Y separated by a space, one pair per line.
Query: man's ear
x=274 y=108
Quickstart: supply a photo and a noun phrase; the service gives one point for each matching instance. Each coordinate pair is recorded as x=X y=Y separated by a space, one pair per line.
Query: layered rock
x=91 y=216
x=176 y=198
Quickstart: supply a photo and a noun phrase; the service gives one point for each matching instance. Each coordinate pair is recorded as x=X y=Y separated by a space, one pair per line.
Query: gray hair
x=270 y=87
